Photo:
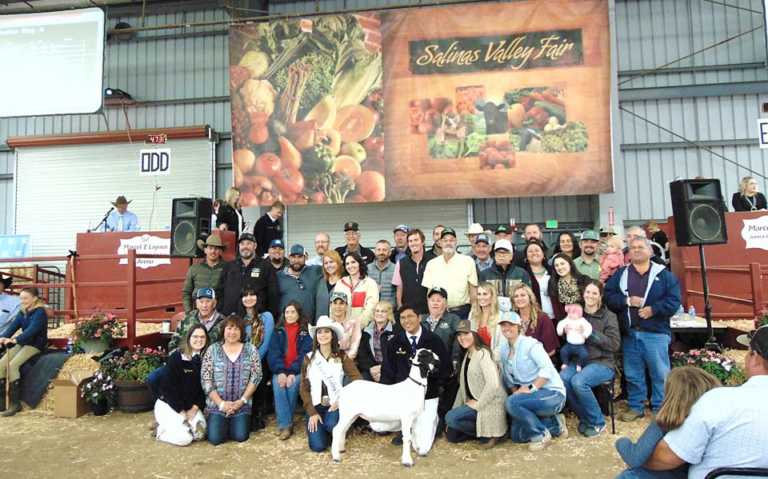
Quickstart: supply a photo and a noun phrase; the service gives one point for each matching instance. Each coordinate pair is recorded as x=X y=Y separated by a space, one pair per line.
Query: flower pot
x=93 y=346
x=134 y=396
x=100 y=408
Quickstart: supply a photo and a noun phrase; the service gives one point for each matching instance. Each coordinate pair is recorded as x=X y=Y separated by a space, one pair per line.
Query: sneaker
x=541 y=443
x=582 y=427
x=631 y=415
x=563 y=427
x=592 y=431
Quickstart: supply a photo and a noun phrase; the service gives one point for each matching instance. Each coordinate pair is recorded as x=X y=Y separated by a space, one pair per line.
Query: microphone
x=111 y=210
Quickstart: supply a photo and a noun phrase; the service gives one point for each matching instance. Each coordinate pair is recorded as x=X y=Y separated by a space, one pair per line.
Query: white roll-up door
x=376 y=220
x=64 y=190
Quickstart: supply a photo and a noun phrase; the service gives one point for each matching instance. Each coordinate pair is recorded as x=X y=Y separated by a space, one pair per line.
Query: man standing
x=474 y=230
x=299 y=283
x=396 y=367
x=120 y=219
x=454 y=272
x=436 y=232
x=587 y=263
x=504 y=274
x=206 y=274
x=382 y=271
x=352 y=240
x=248 y=270
x=481 y=252
x=409 y=273
x=401 y=243
x=644 y=295
x=504 y=232
x=322 y=245
x=276 y=255
x=269 y=227
x=726 y=426
x=531 y=232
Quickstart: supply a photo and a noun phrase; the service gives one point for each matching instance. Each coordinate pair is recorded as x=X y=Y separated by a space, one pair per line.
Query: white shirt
x=546 y=302
x=727 y=427
x=409 y=336
x=455 y=276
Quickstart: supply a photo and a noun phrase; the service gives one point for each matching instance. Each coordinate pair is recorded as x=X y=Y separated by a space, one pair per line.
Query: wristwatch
x=533 y=388
x=245 y=401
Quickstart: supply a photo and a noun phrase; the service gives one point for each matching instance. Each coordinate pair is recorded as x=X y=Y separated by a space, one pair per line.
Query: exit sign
x=551 y=224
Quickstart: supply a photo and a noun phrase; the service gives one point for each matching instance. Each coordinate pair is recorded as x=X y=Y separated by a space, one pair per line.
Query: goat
x=376 y=402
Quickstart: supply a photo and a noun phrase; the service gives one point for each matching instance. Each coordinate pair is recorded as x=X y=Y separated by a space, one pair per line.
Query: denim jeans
x=643 y=473
x=155 y=379
x=574 y=353
x=285 y=401
x=530 y=414
x=461 y=422
x=318 y=440
x=579 y=393
x=221 y=428
x=644 y=350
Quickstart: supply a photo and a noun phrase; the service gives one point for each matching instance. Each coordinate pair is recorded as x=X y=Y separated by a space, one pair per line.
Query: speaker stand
x=711 y=343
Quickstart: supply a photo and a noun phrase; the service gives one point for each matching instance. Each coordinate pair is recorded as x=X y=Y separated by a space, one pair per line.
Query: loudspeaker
x=699 y=212
x=190 y=221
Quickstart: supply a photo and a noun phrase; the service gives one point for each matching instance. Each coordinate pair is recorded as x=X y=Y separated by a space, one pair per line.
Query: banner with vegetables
x=464 y=101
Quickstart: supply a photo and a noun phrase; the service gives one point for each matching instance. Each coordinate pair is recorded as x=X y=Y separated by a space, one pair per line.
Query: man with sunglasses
x=727 y=425
x=298 y=282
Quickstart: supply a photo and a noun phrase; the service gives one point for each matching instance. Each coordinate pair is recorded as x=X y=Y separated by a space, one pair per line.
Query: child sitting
x=576 y=330
x=684 y=386
x=612 y=259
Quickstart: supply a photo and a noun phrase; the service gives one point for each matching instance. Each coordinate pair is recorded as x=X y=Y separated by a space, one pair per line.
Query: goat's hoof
x=408 y=464
x=337 y=461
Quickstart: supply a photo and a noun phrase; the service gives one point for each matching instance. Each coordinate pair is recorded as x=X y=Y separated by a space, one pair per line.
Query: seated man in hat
x=206 y=274
x=120 y=219
x=352 y=240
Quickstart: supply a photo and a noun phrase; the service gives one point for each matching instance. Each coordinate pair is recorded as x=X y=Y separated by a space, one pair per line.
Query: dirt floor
x=36 y=444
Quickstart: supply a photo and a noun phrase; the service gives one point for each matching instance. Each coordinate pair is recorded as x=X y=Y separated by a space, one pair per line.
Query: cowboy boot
x=2 y=395
x=14 y=399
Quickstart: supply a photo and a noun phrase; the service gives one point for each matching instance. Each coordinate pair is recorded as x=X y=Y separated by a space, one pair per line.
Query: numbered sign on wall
x=155 y=162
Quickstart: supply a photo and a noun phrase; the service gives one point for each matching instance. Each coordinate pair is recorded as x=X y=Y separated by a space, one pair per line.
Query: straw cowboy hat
x=212 y=240
x=326 y=322
x=121 y=200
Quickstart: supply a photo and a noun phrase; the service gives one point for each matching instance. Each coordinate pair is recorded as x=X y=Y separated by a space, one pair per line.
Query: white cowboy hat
x=475 y=229
x=326 y=322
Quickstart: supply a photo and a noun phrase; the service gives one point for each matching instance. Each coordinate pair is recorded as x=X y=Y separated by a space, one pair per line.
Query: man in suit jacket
x=397 y=365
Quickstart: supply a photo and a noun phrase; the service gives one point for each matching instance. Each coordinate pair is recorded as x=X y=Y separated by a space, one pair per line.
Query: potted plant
x=715 y=363
x=94 y=335
x=130 y=369
x=99 y=392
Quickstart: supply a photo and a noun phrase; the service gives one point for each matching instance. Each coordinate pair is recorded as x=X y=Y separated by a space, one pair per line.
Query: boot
x=14 y=399
x=2 y=395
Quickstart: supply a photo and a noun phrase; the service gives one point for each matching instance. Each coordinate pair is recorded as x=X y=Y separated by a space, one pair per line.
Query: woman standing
x=566 y=286
x=179 y=409
x=478 y=411
x=323 y=372
x=333 y=270
x=567 y=244
x=230 y=372
x=230 y=216
x=538 y=269
x=33 y=322
x=536 y=324
x=602 y=346
x=350 y=341
x=484 y=315
x=748 y=198
x=373 y=341
x=362 y=291
x=290 y=343
x=537 y=392
x=258 y=332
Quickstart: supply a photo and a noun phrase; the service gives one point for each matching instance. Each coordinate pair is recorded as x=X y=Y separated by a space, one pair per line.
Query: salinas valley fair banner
x=464 y=101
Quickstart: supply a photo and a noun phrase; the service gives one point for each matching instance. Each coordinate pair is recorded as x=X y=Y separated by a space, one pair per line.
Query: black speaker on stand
x=190 y=221
x=699 y=212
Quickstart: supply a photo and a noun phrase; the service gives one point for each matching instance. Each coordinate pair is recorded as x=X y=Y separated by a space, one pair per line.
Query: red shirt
x=485 y=336
x=292 y=332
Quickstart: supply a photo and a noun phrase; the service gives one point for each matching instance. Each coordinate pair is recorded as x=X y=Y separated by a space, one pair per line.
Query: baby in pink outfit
x=576 y=330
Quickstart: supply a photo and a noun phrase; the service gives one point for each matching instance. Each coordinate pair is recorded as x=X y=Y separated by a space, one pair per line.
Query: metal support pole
x=711 y=343
x=130 y=303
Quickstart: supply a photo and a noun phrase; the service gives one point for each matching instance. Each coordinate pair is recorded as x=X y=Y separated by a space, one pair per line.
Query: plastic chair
x=608 y=389
x=737 y=471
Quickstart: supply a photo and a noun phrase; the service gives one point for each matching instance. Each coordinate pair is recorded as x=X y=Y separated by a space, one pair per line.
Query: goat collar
x=424 y=385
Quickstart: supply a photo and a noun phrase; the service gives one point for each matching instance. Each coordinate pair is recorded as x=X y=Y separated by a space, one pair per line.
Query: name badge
x=256 y=273
x=444 y=326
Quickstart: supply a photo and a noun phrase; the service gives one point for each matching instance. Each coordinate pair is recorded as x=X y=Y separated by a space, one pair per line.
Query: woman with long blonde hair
x=333 y=270
x=536 y=323
x=484 y=315
x=230 y=215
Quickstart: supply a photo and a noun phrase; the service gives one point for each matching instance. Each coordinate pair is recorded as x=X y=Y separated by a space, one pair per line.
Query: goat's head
x=427 y=361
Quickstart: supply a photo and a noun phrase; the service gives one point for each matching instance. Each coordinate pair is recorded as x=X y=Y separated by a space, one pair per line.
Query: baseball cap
x=404 y=228
x=205 y=293
x=509 y=317
x=246 y=237
x=483 y=238
x=757 y=341
x=503 y=244
x=351 y=226
x=464 y=326
x=502 y=229
x=339 y=295
x=296 y=250
x=437 y=290
x=446 y=232
x=590 y=235
x=276 y=243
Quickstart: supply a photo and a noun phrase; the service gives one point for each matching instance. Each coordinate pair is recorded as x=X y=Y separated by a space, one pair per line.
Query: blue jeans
x=531 y=414
x=571 y=353
x=644 y=350
x=221 y=428
x=643 y=473
x=285 y=401
x=318 y=440
x=155 y=379
x=461 y=422
x=579 y=393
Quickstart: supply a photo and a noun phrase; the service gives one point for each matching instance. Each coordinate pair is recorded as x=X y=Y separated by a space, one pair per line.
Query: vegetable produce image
x=307 y=109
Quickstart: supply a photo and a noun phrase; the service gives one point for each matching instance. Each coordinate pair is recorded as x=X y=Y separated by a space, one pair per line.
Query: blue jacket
x=662 y=295
x=34 y=327
x=278 y=346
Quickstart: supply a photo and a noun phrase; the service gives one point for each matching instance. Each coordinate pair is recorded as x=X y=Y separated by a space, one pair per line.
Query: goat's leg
x=406 y=425
x=340 y=434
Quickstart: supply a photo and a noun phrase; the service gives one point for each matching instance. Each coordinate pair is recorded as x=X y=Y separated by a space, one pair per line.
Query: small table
x=693 y=331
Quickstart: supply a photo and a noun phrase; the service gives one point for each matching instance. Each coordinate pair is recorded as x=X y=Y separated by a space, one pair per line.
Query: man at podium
x=120 y=219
